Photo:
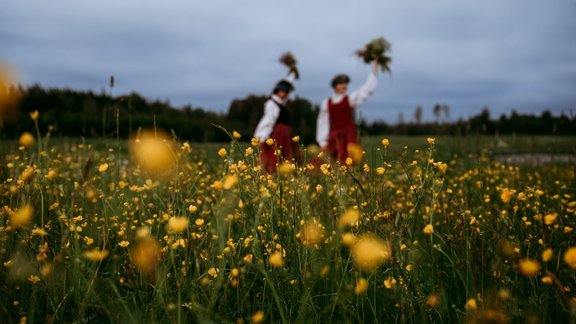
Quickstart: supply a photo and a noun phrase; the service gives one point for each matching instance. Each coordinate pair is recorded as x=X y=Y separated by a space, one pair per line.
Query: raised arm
x=360 y=95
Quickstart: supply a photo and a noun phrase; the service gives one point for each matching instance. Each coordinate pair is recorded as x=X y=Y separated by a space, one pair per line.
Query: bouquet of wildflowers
x=290 y=62
x=376 y=49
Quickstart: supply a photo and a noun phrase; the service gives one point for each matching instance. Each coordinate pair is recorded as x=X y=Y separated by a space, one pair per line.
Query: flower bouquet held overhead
x=377 y=49
x=287 y=59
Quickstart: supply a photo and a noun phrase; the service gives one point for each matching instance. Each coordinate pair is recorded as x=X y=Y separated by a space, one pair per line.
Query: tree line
x=73 y=113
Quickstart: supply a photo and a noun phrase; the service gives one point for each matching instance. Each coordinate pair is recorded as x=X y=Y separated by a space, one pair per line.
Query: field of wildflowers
x=407 y=230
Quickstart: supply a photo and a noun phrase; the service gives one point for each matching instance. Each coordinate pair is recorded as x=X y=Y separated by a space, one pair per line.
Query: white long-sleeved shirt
x=271 y=113
x=355 y=98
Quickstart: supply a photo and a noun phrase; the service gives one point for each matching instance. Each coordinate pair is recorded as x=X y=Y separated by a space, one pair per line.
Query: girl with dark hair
x=274 y=130
x=336 y=127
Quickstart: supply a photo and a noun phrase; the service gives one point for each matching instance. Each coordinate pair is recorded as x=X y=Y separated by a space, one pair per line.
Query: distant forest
x=75 y=113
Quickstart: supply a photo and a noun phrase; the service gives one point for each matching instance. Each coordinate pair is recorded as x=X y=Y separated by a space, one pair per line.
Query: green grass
x=474 y=252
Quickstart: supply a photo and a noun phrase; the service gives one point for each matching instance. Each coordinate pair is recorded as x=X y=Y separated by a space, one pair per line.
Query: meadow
x=411 y=229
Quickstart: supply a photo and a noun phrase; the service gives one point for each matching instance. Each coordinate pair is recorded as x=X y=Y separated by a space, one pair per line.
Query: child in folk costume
x=275 y=124
x=336 y=127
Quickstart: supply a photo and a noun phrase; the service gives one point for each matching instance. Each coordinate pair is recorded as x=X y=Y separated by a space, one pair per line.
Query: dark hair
x=340 y=78
x=283 y=85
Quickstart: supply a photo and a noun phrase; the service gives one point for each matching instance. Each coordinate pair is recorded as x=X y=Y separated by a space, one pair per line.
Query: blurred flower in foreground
x=528 y=267
x=34 y=115
x=154 y=152
x=96 y=254
x=570 y=257
x=471 y=304
x=361 y=286
x=145 y=254
x=26 y=139
x=311 y=233
x=547 y=255
x=22 y=216
x=9 y=96
x=177 y=224
x=369 y=252
x=276 y=260
x=355 y=152
x=350 y=218
x=258 y=317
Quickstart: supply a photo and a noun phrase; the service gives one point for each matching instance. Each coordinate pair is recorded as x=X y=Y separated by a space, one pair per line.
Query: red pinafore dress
x=282 y=135
x=342 y=128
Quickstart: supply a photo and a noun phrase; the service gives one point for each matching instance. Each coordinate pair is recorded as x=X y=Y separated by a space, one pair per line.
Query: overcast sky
x=512 y=54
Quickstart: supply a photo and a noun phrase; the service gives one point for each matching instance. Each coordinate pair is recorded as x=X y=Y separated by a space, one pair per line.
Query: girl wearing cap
x=335 y=127
x=275 y=124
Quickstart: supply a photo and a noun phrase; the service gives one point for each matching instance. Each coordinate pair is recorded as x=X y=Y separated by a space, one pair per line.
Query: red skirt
x=338 y=140
x=282 y=135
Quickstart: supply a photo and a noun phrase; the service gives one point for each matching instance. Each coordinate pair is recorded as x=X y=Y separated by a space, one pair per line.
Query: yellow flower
x=276 y=260
x=39 y=231
x=547 y=255
x=33 y=279
x=26 y=139
x=348 y=239
x=433 y=300
x=350 y=218
x=258 y=317
x=389 y=283
x=547 y=280
x=199 y=222
x=286 y=168
x=96 y=254
x=124 y=243
x=349 y=161
x=506 y=195
x=471 y=304
x=255 y=141
x=380 y=170
x=249 y=151
x=369 y=252
x=213 y=272
x=192 y=208
x=428 y=229
x=385 y=142
x=103 y=167
x=528 y=267
x=27 y=174
x=222 y=152
x=177 y=224
x=550 y=218
x=236 y=135
x=270 y=141
x=218 y=185
x=355 y=152
x=34 y=114
x=570 y=257
x=230 y=181
x=324 y=271
x=186 y=147
x=296 y=139
x=431 y=140
x=311 y=233
x=361 y=286
x=22 y=216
